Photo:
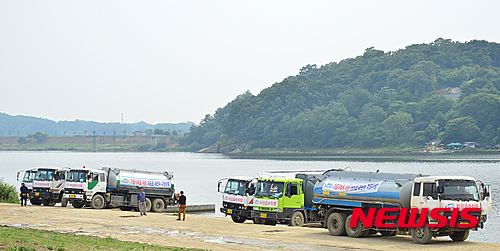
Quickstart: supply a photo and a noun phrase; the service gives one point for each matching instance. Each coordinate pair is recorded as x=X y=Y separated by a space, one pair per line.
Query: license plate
x=37 y=194
x=72 y=196
x=230 y=211
x=263 y=215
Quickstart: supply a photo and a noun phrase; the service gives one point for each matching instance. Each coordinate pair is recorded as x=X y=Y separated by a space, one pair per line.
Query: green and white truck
x=115 y=187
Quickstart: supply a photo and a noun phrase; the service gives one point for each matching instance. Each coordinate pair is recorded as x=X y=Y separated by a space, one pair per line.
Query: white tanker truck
x=114 y=187
x=337 y=196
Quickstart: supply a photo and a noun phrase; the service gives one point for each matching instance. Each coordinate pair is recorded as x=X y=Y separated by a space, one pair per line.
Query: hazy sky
x=175 y=61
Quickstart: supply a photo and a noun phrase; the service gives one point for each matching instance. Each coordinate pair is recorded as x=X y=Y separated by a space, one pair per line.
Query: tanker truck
x=48 y=186
x=114 y=187
x=27 y=177
x=237 y=196
x=332 y=197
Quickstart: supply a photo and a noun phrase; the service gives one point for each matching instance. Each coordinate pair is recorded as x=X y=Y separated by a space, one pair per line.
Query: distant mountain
x=20 y=125
x=378 y=99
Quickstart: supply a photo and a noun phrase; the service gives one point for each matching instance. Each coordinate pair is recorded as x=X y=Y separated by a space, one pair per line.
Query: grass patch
x=12 y=238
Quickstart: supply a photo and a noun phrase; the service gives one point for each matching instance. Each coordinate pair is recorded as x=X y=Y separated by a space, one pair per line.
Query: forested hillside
x=378 y=99
x=16 y=126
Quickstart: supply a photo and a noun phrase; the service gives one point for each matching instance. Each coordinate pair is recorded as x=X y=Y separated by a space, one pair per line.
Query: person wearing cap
x=141 y=198
x=182 y=206
x=24 y=194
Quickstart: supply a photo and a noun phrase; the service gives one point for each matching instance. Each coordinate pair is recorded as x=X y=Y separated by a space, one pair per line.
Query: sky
x=175 y=61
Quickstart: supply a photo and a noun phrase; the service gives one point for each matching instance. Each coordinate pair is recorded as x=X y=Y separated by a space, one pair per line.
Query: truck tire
x=355 y=232
x=77 y=204
x=64 y=202
x=148 y=205
x=257 y=221
x=421 y=235
x=97 y=202
x=47 y=202
x=336 y=224
x=158 y=205
x=36 y=202
x=297 y=219
x=238 y=218
x=388 y=233
x=460 y=236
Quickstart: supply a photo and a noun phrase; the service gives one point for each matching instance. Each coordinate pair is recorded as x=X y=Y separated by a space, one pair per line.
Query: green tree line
x=378 y=99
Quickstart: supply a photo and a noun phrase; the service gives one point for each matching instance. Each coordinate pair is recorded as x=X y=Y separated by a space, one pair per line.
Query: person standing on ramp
x=182 y=206
x=141 y=198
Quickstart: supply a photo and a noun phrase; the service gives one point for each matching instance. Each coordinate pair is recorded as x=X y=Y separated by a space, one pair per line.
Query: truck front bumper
x=41 y=195
x=268 y=215
x=239 y=212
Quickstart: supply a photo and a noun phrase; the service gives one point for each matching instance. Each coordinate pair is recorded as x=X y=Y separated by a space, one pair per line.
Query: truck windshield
x=269 y=189
x=45 y=175
x=459 y=190
x=77 y=176
x=235 y=187
x=29 y=176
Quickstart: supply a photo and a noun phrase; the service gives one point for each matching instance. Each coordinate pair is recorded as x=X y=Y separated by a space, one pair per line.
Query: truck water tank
x=368 y=187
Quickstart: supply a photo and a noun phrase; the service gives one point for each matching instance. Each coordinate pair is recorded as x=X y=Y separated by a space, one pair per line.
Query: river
x=197 y=174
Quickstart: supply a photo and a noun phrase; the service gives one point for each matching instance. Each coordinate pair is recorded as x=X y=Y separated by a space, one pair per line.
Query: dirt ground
x=207 y=233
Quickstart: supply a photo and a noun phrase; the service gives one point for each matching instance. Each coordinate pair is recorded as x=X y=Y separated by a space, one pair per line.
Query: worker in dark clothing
x=182 y=206
x=24 y=194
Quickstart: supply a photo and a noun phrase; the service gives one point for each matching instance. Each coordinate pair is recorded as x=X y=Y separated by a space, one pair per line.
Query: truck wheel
x=238 y=219
x=97 y=202
x=64 y=202
x=355 y=232
x=460 y=236
x=158 y=205
x=388 y=233
x=36 y=202
x=77 y=204
x=270 y=222
x=421 y=235
x=148 y=205
x=336 y=224
x=297 y=219
x=46 y=202
x=257 y=220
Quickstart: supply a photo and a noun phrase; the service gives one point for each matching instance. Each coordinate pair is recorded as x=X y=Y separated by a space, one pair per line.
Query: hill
x=379 y=99
x=16 y=126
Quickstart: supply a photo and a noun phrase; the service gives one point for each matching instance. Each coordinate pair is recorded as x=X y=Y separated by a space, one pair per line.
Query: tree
x=174 y=132
x=18 y=132
x=461 y=130
x=398 y=127
x=85 y=132
x=21 y=140
x=124 y=133
x=158 y=131
x=74 y=132
x=8 y=193
x=483 y=107
x=64 y=132
x=40 y=136
x=104 y=133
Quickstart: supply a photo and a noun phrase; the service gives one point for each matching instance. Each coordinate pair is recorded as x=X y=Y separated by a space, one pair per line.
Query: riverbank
x=86 y=144
x=203 y=232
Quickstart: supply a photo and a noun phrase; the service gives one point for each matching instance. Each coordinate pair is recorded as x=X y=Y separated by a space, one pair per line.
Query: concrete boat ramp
x=192 y=208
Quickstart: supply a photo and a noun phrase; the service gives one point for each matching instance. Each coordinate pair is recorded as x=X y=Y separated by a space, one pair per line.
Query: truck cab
x=48 y=185
x=237 y=197
x=27 y=177
x=452 y=192
x=279 y=200
x=86 y=186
